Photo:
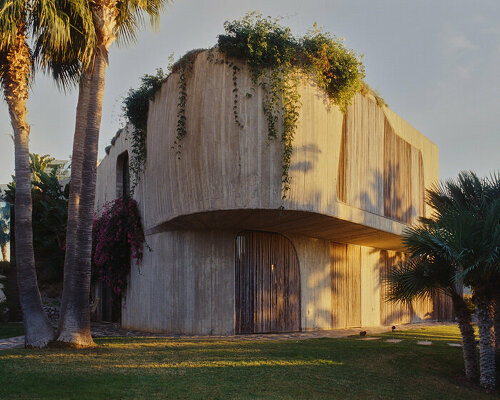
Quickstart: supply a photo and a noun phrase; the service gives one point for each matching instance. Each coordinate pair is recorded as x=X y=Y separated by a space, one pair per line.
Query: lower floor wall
x=186 y=285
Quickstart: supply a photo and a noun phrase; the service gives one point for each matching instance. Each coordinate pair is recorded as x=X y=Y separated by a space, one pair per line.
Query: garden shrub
x=118 y=238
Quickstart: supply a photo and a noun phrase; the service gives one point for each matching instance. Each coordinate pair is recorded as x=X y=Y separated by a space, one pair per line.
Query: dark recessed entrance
x=267 y=286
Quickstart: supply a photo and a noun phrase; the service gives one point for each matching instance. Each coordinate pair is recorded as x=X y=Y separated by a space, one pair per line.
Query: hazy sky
x=436 y=63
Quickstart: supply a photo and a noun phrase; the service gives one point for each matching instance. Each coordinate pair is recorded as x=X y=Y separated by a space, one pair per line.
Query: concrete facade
x=356 y=180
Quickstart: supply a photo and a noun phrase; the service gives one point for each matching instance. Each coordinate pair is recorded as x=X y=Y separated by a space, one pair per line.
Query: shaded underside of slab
x=286 y=222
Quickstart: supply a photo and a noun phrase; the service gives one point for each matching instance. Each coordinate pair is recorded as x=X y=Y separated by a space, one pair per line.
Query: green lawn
x=151 y=368
x=10 y=329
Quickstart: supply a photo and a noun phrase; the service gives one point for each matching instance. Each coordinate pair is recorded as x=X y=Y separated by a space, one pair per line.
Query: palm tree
x=113 y=19
x=467 y=222
x=39 y=164
x=424 y=274
x=54 y=26
x=459 y=244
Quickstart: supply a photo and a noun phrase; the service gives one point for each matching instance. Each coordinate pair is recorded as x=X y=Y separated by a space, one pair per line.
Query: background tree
x=55 y=26
x=4 y=228
x=113 y=19
x=39 y=164
x=50 y=212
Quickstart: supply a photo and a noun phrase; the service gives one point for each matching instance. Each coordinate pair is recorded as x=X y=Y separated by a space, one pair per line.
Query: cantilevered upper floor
x=357 y=177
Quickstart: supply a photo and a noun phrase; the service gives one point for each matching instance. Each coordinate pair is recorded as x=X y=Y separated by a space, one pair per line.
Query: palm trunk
x=486 y=349
x=75 y=327
x=496 y=323
x=464 y=320
x=38 y=331
x=74 y=195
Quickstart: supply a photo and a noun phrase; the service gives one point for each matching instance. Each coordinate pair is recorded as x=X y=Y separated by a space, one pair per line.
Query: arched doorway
x=267 y=286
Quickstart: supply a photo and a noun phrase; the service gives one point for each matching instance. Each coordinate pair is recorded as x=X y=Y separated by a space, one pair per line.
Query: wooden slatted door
x=345 y=269
x=267 y=286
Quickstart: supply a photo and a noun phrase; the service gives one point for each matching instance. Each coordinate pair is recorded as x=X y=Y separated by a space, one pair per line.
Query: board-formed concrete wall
x=185 y=285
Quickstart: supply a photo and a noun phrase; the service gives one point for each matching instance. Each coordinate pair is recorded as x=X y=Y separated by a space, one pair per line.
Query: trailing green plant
x=277 y=59
x=184 y=66
x=236 y=91
x=135 y=109
x=117 y=238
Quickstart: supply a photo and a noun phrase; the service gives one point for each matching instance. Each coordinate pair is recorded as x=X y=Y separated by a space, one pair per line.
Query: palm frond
x=418 y=278
x=64 y=38
x=132 y=15
x=13 y=14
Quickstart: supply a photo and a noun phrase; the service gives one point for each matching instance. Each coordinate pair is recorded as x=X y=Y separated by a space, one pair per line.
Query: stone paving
x=424 y=343
x=114 y=330
x=12 y=343
x=102 y=329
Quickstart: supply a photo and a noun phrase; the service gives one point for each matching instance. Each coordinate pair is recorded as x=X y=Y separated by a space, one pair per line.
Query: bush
x=265 y=44
x=118 y=237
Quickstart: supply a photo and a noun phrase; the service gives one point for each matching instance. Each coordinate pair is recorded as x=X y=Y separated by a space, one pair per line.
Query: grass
x=159 y=368
x=10 y=329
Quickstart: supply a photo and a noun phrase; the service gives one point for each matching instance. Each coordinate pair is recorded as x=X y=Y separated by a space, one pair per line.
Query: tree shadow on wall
x=312 y=151
x=387 y=197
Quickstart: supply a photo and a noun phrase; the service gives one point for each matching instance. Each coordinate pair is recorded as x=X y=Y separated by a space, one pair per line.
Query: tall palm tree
x=113 y=19
x=53 y=25
x=424 y=274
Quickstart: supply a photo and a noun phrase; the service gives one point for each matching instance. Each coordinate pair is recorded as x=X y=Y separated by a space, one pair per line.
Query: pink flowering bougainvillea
x=117 y=238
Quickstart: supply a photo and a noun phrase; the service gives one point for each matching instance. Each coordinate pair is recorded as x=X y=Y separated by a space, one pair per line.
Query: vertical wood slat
x=267 y=284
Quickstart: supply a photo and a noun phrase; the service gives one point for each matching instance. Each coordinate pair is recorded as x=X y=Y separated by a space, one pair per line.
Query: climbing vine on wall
x=135 y=109
x=184 y=66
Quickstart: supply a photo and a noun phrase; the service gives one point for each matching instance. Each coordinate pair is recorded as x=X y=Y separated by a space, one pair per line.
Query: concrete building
x=229 y=255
